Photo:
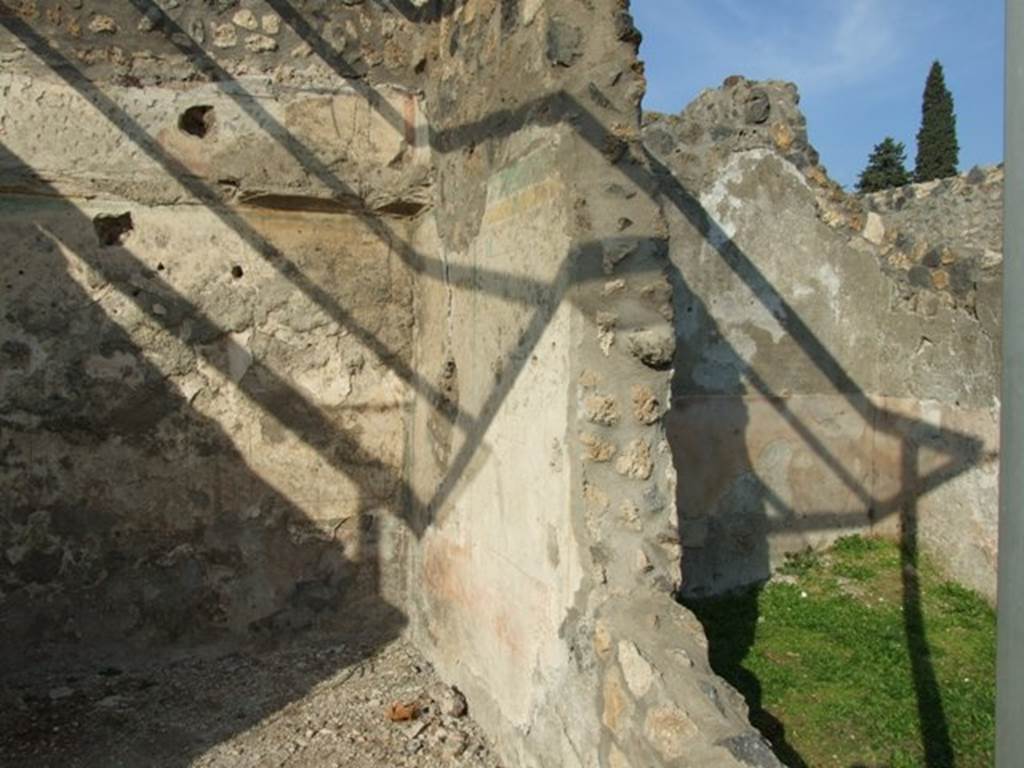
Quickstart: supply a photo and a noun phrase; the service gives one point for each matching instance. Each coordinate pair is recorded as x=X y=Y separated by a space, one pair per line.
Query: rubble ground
x=310 y=705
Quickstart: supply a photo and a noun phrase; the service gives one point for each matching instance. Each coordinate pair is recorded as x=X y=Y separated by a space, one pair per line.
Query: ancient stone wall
x=366 y=317
x=549 y=553
x=208 y=325
x=351 y=316
x=837 y=362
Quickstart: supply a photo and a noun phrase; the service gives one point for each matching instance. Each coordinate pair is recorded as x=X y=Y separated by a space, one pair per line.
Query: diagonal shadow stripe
x=649 y=175
x=125 y=123
x=261 y=386
x=656 y=182
x=525 y=290
x=659 y=184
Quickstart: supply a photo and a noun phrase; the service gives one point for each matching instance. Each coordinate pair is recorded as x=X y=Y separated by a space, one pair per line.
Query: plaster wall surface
x=207 y=328
x=353 y=318
x=837 y=360
x=379 y=318
x=549 y=554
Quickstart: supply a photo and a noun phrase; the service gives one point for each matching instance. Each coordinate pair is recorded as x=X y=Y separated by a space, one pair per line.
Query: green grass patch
x=854 y=659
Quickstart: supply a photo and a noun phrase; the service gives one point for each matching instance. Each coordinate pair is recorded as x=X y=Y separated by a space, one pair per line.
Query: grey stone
x=933 y=258
x=758 y=107
x=635 y=669
x=563 y=42
x=976 y=175
x=654 y=347
x=260 y=43
x=752 y=749
x=920 y=276
x=450 y=700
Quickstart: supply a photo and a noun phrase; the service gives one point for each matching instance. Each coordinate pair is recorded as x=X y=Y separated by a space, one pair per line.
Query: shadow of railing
x=648 y=174
x=301 y=584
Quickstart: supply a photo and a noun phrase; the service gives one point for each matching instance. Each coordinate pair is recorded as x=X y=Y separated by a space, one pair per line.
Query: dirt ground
x=309 y=706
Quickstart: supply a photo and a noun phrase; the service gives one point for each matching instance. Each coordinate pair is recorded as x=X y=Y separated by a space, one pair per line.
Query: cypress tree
x=937 y=148
x=886 y=167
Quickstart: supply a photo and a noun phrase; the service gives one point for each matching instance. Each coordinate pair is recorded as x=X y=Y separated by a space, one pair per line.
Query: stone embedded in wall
x=758 y=107
x=635 y=461
x=646 y=408
x=654 y=347
x=606 y=322
x=260 y=43
x=246 y=19
x=601 y=409
x=150 y=43
x=635 y=669
x=363 y=371
x=670 y=730
x=270 y=23
x=739 y=116
x=617 y=706
x=944 y=236
x=874 y=228
x=563 y=42
x=224 y=35
x=100 y=24
x=596 y=449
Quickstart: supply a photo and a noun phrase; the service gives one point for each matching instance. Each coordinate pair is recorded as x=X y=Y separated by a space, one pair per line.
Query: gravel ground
x=317 y=705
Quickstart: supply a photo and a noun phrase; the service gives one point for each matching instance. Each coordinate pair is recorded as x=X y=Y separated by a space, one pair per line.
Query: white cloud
x=820 y=44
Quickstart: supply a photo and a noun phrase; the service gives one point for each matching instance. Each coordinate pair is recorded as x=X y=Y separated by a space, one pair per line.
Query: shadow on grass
x=833 y=651
x=730 y=623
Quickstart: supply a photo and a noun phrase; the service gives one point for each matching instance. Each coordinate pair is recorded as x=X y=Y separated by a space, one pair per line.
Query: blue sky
x=860 y=65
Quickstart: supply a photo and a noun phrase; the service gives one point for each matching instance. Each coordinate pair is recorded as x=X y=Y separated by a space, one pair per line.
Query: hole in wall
x=111 y=230
x=197 y=121
x=236 y=272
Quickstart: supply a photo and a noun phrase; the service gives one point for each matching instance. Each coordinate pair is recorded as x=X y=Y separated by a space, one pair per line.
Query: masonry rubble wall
x=544 y=483
x=350 y=317
x=207 y=326
x=837 y=361
x=379 y=318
